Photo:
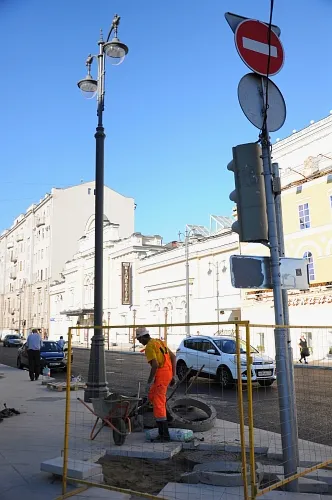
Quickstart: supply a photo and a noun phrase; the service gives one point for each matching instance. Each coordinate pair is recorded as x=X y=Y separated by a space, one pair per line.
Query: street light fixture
x=216 y=265
x=187 y=234
x=116 y=50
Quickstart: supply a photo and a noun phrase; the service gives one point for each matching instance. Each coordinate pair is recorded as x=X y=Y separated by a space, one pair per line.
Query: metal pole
x=217 y=280
x=20 y=313
x=241 y=414
x=187 y=284
x=280 y=231
x=108 y=331
x=165 y=330
x=134 y=334
x=289 y=452
x=67 y=417
x=97 y=382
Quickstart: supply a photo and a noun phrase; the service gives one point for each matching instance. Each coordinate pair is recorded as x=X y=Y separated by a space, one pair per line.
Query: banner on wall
x=126 y=283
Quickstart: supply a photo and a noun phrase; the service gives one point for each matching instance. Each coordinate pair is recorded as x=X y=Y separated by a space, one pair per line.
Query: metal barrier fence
x=312 y=379
x=247 y=414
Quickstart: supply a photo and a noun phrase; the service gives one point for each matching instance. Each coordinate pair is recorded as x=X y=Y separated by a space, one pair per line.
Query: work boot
x=164 y=436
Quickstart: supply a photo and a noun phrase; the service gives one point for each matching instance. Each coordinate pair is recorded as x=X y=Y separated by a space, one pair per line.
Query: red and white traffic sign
x=252 y=42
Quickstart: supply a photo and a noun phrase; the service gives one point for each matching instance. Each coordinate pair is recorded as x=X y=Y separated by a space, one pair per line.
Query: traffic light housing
x=249 y=193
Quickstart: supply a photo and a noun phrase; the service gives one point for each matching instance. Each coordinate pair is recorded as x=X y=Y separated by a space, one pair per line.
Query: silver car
x=12 y=341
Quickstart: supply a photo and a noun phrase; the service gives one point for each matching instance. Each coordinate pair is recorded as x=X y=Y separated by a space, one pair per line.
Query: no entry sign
x=252 y=42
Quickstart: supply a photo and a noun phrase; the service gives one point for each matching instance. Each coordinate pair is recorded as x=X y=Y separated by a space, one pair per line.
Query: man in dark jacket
x=303 y=349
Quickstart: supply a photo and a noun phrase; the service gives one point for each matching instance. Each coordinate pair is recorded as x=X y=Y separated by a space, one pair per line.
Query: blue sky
x=172 y=114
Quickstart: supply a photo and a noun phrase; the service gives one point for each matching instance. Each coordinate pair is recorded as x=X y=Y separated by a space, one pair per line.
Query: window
x=89 y=190
x=206 y=345
x=304 y=216
x=41 y=275
x=311 y=268
x=42 y=254
x=299 y=189
x=330 y=200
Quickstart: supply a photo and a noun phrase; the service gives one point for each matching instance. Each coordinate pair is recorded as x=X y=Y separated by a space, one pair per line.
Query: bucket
x=46 y=372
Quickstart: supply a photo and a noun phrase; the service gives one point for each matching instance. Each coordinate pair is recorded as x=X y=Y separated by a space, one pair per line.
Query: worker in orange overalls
x=162 y=374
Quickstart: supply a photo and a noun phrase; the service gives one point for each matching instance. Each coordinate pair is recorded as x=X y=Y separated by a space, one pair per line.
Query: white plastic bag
x=179 y=435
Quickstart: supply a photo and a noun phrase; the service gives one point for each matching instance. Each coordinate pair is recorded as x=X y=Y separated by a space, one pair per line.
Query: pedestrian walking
x=34 y=343
x=304 y=350
x=162 y=374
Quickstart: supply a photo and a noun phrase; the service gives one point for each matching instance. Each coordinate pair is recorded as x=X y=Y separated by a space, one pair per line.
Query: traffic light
x=249 y=193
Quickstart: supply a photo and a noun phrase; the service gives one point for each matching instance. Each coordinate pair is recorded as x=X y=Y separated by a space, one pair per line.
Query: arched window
x=311 y=268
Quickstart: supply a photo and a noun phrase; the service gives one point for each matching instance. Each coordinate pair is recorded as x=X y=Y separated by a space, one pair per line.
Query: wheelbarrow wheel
x=118 y=438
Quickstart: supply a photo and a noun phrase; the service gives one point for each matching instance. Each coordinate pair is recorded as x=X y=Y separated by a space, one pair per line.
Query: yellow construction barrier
x=257 y=405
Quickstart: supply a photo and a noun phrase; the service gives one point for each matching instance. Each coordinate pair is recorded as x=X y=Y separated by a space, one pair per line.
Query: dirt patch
x=145 y=476
x=150 y=476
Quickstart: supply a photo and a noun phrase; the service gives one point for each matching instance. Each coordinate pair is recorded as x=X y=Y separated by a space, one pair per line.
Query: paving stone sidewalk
x=36 y=435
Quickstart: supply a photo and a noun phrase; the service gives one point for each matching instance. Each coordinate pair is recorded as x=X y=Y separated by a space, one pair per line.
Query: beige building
x=34 y=250
x=305 y=159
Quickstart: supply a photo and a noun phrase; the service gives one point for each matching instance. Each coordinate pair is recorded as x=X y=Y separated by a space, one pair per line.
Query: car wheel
x=19 y=364
x=181 y=371
x=266 y=383
x=225 y=378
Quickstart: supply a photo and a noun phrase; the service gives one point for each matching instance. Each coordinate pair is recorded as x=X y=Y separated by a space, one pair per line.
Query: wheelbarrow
x=113 y=412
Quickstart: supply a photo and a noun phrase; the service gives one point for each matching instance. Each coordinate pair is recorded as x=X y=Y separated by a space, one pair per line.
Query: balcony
x=13 y=275
x=40 y=221
x=19 y=237
x=13 y=258
x=10 y=245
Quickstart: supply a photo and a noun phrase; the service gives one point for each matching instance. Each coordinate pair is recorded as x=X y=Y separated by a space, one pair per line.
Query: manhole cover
x=45 y=398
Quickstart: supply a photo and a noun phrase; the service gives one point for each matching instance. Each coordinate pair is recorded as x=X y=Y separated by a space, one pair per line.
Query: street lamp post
x=108 y=329
x=134 y=333
x=216 y=265
x=97 y=383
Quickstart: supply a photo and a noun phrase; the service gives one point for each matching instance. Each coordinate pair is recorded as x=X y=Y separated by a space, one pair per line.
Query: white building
x=156 y=281
x=33 y=251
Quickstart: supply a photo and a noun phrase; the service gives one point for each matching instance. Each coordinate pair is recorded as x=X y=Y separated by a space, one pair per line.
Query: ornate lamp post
x=116 y=50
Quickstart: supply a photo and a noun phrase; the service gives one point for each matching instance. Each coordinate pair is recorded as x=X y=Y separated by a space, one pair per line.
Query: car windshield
x=12 y=337
x=50 y=347
x=228 y=346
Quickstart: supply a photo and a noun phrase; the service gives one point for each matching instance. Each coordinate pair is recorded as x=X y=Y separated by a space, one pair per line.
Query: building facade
x=305 y=159
x=157 y=284
x=34 y=250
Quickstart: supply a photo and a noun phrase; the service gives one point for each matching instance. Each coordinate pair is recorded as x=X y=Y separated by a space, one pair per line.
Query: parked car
x=12 y=341
x=51 y=356
x=218 y=355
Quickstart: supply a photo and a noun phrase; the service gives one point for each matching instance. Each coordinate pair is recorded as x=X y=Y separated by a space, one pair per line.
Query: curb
x=313 y=367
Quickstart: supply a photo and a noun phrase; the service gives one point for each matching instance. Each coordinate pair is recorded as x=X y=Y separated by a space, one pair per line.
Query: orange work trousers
x=158 y=391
